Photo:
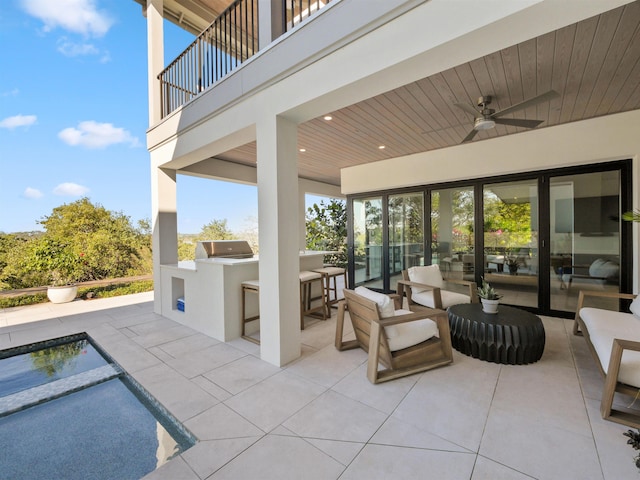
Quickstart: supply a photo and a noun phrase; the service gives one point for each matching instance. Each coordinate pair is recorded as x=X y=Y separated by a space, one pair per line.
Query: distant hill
x=25 y=235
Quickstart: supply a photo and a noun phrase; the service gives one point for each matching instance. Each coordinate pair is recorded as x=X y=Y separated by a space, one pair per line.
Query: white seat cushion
x=331 y=271
x=428 y=275
x=425 y=298
x=605 y=325
x=385 y=304
x=306 y=276
x=405 y=335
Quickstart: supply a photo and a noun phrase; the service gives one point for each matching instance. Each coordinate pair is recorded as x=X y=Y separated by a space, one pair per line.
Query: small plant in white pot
x=61 y=266
x=489 y=297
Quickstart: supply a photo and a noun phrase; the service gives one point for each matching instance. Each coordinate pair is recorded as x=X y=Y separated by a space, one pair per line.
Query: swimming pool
x=67 y=410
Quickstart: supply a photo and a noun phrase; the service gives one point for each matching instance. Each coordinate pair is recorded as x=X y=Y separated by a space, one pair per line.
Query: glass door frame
x=543 y=178
x=626 y=233
x=386 y=274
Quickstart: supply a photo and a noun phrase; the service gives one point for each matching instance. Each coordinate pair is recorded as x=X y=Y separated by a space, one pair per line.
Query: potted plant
x=632 y=216
x=512 y=263
x=634 y=441
x=489 y=297
x=62 y=268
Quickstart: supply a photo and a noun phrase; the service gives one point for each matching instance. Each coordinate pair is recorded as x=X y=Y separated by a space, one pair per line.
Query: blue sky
x=73 y=117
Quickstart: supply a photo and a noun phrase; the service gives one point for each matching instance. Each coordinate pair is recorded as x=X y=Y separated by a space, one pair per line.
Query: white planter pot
x=64 y=294
x=489 y=306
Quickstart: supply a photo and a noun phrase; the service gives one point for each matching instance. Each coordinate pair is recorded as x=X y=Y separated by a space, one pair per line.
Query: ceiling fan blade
x=518 y=122
x=470 y=136
x=468 y=108
x=527 y=103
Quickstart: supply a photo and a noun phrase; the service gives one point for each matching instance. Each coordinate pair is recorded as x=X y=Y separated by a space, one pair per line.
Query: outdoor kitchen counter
x=209 y=289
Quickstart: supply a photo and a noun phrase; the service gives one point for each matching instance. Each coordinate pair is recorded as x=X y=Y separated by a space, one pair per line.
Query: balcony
x=225 y=45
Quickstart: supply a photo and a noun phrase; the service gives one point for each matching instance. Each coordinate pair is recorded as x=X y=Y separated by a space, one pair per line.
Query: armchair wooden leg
x=339 y=342
x=576 y=326
x=374 y=352
x=610 y=380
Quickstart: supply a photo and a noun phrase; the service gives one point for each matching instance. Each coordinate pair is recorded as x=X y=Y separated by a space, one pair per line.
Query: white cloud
x=18 y=121
x=79 y=16
x=69 y=189
x=32 y=193
x=72 y=49
x=92 y=134
x=106 y=57
x=10 y=93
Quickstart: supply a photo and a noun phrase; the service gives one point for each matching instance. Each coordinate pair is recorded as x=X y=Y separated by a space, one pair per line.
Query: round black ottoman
x=511 y=336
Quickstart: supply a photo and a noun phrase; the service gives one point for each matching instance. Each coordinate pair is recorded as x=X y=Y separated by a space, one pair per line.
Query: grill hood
x=223 y=249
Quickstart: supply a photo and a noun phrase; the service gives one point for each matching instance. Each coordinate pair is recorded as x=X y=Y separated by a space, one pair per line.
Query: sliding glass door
x=584 y=242
x=406 y=234
x=510 y=211
x=452 y=232
x=367 y=242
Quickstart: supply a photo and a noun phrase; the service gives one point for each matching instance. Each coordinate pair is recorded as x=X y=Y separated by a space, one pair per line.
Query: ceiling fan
x=487 y=118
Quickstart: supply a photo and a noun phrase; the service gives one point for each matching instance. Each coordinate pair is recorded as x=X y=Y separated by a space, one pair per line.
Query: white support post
x=302 y=223
x=164 y=225
x=155 y=57
x=270 y=21
x=279 y=240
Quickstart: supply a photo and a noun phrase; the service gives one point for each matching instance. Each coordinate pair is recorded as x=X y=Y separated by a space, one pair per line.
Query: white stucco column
x=164 y=223
x=302 y=212
x=155 y=57
x=279 y=240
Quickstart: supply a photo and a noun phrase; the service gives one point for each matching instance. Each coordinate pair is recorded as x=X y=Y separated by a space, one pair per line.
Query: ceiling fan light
x=484 y=124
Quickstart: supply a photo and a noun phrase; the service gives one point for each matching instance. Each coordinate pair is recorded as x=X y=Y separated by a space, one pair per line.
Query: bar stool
x=307 y=280
x=332 y=273
x=249 y=286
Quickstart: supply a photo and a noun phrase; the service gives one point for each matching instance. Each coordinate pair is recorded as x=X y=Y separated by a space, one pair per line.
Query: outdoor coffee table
x=511 y=336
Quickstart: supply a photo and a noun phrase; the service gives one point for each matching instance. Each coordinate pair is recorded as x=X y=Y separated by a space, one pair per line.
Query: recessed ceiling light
x=303 y=150
x=328 y=117
x=381 y=147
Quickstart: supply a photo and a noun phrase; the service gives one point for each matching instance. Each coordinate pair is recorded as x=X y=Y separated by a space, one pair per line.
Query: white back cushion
x=428 y=275
x=635 y=306
x=604 y=269
x=385 y=304
x=448 y=298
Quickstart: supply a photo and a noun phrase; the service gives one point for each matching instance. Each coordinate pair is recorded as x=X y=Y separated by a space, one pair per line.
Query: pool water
x=28 y=370
x=68 y=411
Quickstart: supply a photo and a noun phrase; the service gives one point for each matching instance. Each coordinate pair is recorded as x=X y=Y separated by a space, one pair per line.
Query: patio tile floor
x=319 y=417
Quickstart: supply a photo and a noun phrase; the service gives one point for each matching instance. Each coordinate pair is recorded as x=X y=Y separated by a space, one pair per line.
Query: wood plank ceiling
x=593 y=65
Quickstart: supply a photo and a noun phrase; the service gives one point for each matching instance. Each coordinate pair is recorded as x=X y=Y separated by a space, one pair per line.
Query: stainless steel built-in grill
x=223 y=249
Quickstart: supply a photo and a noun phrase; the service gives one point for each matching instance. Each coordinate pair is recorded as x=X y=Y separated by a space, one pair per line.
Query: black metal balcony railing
x=225 y=44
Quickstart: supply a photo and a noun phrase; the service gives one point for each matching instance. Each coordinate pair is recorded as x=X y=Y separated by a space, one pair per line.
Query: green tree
x=81 y=242
x=326 y=227
x=507 y=226
x=214 y=230
x=10 y=245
